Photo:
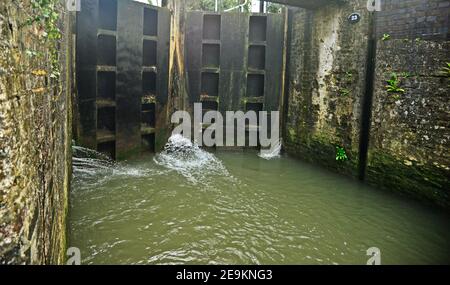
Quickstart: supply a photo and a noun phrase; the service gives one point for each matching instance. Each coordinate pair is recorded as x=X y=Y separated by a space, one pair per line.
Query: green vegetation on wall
x=341 y=155
x=346 y=84
x=45 y=16
x=393 y=84
x=273 y=7
x=446 y=70
x=344 y=92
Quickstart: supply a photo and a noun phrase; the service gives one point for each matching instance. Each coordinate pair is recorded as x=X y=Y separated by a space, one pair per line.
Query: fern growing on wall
x=341 y=155
x=393 y=84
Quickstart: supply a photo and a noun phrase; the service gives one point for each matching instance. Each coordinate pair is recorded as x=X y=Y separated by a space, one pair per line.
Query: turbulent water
x=186 y=158
x=271 y=153
x=186 y=205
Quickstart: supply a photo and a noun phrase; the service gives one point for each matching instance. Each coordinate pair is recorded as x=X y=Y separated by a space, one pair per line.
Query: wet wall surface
x=235 y=59
x=122 y=63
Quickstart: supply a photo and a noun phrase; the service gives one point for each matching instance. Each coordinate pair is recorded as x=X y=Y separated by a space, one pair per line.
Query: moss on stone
x=423 y=181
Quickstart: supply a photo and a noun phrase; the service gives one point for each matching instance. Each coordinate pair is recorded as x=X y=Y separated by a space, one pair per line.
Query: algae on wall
x=409 y=138
x=35 y=132
x=409 y=132
x=326 y=84
x=408 y=144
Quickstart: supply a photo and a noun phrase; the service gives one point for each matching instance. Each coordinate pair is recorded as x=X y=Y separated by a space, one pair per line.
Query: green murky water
x=237 y=208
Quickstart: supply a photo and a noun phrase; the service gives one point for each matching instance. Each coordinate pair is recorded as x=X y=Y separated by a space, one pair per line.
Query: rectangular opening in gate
x=258 y=27
x=211 y=27
x=107 y=148
x=209 y=106
x=149 y=53
x=148 y=143
x=211 y=55
x=254 y=107
x=106 y=119
x=149 y=83
x=148 y=114
x=107 y=14
x=106 y=54
x=255 y=85
x=257 y=57
x=210 y=84
x=150 y=22
x=106 y=85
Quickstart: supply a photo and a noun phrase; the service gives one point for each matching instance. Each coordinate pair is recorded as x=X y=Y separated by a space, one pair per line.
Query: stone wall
x=425 y=19
x=326 y=73
x=409 y=141
x=35 y=138
x=409 y=138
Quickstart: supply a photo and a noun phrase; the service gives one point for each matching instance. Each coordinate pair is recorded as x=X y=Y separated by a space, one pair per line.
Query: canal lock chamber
x=358 y=99
x=241 y=62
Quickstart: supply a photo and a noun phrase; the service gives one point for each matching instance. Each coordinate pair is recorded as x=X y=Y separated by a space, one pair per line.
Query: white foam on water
x=89 y=162
x=188 y=159
x=273 y=152
x=94 y=167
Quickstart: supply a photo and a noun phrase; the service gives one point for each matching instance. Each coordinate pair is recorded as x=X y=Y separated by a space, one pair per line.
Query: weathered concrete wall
x=409 y=138
x=409 y=142
x=35 y=139
x=327 y=65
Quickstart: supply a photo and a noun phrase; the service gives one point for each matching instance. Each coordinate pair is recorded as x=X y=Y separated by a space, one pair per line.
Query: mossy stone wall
x=409 y=138
x=35 y=135
x=326 y=84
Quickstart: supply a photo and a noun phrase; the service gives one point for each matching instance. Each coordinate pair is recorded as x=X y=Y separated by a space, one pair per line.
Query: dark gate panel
x=235 y=60
x=232 y=61
x=193 y=38
x=122 y=74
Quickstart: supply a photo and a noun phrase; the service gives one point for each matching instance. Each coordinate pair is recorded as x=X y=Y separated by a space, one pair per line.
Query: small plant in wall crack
x=405 y=74
x=341 y=155
x=386 y=37
x=349 y=76
x=446 y=70
x=344 y=92
x=346 y=81
x=393 y=84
